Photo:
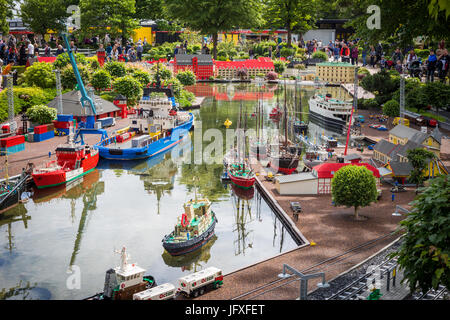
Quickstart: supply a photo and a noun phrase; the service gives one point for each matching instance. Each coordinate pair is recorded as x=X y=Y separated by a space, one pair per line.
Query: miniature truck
x=195 y=284
x=164 y=291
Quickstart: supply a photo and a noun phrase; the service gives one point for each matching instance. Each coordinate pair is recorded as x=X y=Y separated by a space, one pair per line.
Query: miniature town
x=118 y=180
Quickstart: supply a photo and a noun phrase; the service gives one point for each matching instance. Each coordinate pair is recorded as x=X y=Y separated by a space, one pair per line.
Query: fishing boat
x=12 y=190
x=72 y=162
x=240 y=172
x=284 y=156
x=330 y=113
x=124 y=281
x=194 y=228
x=155 y=128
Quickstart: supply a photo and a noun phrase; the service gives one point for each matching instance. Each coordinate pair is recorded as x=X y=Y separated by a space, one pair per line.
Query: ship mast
x=285 y=117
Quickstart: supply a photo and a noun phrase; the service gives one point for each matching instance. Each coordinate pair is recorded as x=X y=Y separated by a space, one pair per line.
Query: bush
x=68 y=79
x=39 y=74
x=116 y=69
x=280 y=66
x=186 y=98
x=42 y=114
x=101 y=80
x=272 y=75
x=95 y=65
x=391 y=108
x=287 y=52
x=300 y=66
x=320 y=55
x=128 y=87
x=143 y=77
x=187 y=77
x=63 y=60
x=164 y=72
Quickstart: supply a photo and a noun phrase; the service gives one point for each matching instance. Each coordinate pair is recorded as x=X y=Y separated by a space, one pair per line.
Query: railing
x=86 y=52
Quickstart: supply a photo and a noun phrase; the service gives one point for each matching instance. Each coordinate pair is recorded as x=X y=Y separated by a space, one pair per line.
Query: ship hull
x=157 y=147
x=180 y=248
x=10 y=199
x=60 y=176
x=244 y=183
x=286 y=165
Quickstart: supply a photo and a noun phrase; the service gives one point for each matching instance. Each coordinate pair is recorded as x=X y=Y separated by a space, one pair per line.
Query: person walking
x=23 y=55
x=354 y=54
x=431 y=65
x=397 y=55
x=336 y=53
x=139 y=51
x=373 y=55
x=345 y=53
x=443 y=65
x=30 y=49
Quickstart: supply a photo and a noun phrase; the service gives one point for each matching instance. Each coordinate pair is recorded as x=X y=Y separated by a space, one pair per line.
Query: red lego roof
x=327 y=170
x=262 y=62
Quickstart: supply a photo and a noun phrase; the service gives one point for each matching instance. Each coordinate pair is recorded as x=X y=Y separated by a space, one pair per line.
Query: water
x=74 y=229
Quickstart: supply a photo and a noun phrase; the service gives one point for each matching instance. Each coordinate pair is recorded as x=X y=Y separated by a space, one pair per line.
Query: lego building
x=253 y=67
x=201 y=64
x=336 y=72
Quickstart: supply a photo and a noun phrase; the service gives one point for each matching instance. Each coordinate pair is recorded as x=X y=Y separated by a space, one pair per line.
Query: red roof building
x=229 y=69
x=201 y=64
x=325 y=172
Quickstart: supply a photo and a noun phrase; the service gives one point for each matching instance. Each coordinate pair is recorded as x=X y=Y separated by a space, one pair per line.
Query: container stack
x=63 y=124
x=12 y=144
x=140 y=141
x=41 y=133
x=125 y=136
x=107 y=122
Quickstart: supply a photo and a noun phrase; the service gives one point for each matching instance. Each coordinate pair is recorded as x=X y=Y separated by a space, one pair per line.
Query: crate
x=13 y=149
x=62 y=124
x=44 y=136
x=12 y=141
x=64 y=117
x=40 y=129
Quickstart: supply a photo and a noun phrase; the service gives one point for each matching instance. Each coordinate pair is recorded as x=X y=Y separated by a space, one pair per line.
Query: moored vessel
x=194 y=228
x=329 y=113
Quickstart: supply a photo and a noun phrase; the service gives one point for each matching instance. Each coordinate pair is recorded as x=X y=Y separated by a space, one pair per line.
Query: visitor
x=101 y=55
x=139 y=50
x=30 y=49
x=12 y=55
x=345 y=53
x=145 y=41
x=107 y=40
x=443 y=65
x=73 y=47
x=373 y=55
x=336 y=53
x=431 y=65
x=399 y=67
x=354 y=54
x=176 y=50
x=379 y=51
x=411 y=58
x=270 y=52
x=59 y=50
x=330 y=49
x=23 y=55
x=397 y=55
x=382 y=63
x=108 y=50
x=364 y=55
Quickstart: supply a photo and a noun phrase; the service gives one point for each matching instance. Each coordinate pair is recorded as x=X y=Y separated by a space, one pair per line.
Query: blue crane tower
x=87 y=127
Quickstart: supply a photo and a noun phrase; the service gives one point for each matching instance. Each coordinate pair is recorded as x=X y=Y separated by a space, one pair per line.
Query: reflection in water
x=243 y=216
x=15 y=214
x=27 y=292
x=193 y=260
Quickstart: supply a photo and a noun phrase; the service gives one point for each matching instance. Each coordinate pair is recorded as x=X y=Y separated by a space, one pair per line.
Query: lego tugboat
x=194 y=228
x=73 y=161
x=122 y=282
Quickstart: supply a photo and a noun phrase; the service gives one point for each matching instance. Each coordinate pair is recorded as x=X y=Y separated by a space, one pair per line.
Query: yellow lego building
x=336 y=72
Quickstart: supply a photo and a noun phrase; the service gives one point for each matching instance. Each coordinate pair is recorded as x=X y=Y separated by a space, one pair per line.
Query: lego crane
x=86 y=100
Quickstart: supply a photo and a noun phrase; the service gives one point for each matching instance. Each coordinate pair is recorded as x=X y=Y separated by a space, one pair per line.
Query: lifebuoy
x=184 y=220
x=122 y=285
x=161 y=296
x=203 y=280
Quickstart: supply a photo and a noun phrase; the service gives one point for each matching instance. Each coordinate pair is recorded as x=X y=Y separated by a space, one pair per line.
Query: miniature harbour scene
x=142 y=163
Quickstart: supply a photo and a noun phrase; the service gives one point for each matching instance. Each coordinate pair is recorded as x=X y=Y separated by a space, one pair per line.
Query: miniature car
x=296 y=207
x=398 y=189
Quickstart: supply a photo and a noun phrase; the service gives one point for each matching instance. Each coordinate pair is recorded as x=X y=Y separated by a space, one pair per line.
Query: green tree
x=5 y=13
x=44 y=15
x=354 y=186
x=116 y=69
x=187 y=77
x=436 y=94
x=42 y=114
x=128 y=87
x=423 y=254
x=101 y=79
x=212 y=16
x=68 y=79
x=116 y=18
x=39 y=74
x=419 y=159
x=63 y=60
x=294 y=15
x=391 y=108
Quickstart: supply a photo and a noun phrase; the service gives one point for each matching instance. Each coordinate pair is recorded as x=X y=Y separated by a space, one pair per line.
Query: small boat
x=329 y=113
x=194 y=228
x=122 y=282
x=72 y=162
x=12 y=190
x=242 y=175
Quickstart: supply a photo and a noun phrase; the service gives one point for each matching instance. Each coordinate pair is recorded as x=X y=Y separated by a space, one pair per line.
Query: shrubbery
x=143 y=77
x=63 y=60
x=391 y=108
x=41 y=114
x=68 y=79
x=280 y=66
x=187 y=77
x=128 y=87
x=116 y=69
x=39 y=74
x=320 y=55
x=101 y=79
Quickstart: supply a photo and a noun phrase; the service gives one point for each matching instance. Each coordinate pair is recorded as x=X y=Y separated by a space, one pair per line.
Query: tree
x=423 y=254
x=44 y=15
x=116 y=69
x=128 y=87
x=419 y=159
x=212 y=16
x=101 y=79
x=294 y=15
x=354 y=186
x=117 y=18
x=391 y=108
x=39 y=74
x=187 y=77
x=5 y=12
x=42 y=114
x=149 y=10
